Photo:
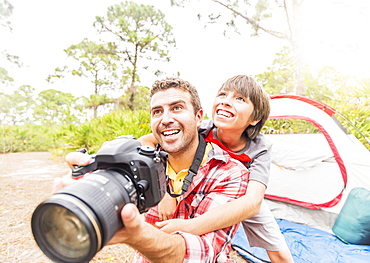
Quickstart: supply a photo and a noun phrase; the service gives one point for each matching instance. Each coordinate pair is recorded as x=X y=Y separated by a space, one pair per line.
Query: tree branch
x=288 y=21
x=253 y=22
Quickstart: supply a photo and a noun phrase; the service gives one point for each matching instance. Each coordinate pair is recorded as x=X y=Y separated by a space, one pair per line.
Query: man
x=176 y=114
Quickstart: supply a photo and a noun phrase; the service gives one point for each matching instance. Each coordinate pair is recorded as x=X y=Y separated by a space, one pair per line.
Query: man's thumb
x=130 y=216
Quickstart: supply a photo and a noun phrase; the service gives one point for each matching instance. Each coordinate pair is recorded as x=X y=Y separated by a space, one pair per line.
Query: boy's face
x=232 y=111
x=174 y=124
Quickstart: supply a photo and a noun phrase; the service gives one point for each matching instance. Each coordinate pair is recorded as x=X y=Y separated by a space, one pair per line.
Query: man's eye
x=156 y=112
x=178 y=107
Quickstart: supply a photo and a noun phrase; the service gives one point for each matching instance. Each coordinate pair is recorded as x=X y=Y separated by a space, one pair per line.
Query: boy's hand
x=172 y=225
x=167 y=207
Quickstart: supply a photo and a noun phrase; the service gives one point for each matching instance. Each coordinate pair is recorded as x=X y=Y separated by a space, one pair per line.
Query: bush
x=62 y=139
x=92 y=134
x=27 y=138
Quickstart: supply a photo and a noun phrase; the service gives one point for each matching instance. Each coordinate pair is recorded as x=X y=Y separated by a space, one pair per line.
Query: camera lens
x=65 y=231
x=75 y=223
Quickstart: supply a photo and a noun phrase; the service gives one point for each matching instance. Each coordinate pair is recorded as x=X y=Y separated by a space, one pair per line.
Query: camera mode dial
x=147 y=150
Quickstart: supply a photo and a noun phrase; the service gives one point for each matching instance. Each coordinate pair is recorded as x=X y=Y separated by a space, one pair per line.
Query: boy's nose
x=226 y=101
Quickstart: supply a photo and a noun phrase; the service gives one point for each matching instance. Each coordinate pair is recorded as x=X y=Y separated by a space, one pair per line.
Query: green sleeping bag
x=352 y=225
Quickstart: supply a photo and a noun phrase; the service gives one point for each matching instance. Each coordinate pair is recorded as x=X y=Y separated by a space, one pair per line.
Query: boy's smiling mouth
x=224 y=113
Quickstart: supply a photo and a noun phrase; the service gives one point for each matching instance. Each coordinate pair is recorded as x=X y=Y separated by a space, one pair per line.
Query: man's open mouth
x=171 y=132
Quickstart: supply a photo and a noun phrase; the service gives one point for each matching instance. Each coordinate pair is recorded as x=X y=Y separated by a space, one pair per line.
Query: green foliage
x=4 y=77
x=141 y=99
x=344 y=93
x=15 y=107
x=354 y=105
x=92 y=134
x=98 y=61
x=140 y=34
x=28 y=138
x=69 y=137
x=279 y=77
x=55 y=107
x=288 y=126
x=6 y=9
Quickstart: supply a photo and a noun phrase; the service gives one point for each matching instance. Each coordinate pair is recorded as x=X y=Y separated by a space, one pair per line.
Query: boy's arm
x=158 y=246
x=167 y=207
x=223 y=216
x=148 y=140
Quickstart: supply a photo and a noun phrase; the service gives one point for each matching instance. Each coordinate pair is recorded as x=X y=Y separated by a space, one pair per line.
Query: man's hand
x=154 y=244
x=77 y=158
x=134 y=223
x=72 y=159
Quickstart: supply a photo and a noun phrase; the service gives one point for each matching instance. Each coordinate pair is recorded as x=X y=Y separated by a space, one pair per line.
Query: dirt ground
x=25 y=180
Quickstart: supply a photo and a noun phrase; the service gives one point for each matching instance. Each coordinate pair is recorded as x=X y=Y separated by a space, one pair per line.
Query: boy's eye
x=222 y=94
x=240 y=98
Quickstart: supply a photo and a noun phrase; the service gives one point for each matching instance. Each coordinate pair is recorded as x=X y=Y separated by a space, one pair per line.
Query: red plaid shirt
x=220 y=180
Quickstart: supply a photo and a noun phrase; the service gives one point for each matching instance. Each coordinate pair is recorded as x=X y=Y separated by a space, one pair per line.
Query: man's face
x=174 y=124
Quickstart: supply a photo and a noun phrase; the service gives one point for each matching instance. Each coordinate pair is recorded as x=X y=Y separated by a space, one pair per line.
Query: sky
x=335 y=34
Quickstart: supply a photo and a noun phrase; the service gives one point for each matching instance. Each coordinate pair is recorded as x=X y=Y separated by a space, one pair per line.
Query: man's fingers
x=77 y=158
x=61 y=182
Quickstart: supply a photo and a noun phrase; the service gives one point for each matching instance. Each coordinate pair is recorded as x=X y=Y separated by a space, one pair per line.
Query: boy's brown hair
x=249 y=88
x=161 y=85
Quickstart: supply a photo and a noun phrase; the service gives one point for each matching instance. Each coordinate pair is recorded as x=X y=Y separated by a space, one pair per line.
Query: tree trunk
x=297 y=50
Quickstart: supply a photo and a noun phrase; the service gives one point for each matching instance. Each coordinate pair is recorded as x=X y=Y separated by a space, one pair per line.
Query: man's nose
x=167 y=117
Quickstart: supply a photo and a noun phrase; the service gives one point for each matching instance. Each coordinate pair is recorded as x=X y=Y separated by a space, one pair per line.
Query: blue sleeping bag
x=307 y=244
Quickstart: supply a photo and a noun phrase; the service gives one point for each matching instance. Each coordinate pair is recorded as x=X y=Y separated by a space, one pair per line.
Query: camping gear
x=314 y=170
x=311 y=176
x=353 y=222
x=307 y=245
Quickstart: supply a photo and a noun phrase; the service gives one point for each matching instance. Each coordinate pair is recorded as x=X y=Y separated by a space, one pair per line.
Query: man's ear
x=199 y=117
x=254 y=123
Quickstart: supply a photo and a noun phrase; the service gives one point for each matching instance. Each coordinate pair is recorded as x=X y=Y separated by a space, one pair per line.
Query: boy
x=240 y=110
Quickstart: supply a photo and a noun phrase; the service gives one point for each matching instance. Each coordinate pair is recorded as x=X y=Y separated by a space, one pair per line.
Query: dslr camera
x=76 y=222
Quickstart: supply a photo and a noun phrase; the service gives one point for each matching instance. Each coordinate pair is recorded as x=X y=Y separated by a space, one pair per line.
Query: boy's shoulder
x=261 y=141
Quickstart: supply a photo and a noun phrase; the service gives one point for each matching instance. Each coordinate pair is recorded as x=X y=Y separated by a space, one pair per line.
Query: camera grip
x=79 y=171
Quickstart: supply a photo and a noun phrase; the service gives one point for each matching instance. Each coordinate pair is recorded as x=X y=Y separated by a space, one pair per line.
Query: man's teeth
x=168 y=133
x=224 y=113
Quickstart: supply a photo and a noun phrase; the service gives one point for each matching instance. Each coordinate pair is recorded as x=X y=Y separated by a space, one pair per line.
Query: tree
x=139 y=34
x=16 y=108
x=6 y=9
x=95 y=61
x=260 y=16
x=141 y=100
x=278 y=79
x=55 y=107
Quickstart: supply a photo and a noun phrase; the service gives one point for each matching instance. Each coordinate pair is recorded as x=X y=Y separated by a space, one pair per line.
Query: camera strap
x=193 y=170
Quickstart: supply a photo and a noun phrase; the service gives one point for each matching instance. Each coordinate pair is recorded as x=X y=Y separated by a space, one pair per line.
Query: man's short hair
x=177 y=83
x=249 y=88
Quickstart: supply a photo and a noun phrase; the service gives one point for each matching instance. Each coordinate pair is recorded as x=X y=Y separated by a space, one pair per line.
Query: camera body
x=145 y=166
x=76 y=222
